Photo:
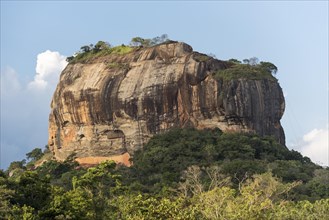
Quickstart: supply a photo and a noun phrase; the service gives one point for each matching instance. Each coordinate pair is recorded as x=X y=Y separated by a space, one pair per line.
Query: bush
x=244 y=71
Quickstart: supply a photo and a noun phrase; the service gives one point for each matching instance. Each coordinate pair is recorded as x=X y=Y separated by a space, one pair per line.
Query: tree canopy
x=180 y=174
x=138 y=41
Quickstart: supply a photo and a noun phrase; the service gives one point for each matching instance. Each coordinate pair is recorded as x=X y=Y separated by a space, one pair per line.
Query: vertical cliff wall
x=111 y=105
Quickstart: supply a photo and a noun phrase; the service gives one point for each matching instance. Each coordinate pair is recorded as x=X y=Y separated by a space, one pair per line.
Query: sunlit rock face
x=112 y=105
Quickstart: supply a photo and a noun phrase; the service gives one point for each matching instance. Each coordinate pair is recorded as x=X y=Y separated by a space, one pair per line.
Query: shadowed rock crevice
x=112 y=105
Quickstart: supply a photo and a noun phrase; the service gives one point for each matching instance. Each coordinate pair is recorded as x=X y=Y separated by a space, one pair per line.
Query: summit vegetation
x=180 y=174
x=102 y=48
x=248 y=69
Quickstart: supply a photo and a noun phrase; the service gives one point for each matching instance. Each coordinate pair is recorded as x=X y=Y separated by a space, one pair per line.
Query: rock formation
x=111 y=105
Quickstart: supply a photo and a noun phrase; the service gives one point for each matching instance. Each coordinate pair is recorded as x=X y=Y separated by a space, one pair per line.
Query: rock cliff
x=111 y=105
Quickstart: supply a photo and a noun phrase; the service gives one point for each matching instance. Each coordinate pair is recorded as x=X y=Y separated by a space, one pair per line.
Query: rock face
x=111 y=105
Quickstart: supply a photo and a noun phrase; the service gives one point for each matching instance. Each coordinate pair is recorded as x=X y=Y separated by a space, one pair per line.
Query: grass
x=121 y=50
x=90 y=55
x=244 y=71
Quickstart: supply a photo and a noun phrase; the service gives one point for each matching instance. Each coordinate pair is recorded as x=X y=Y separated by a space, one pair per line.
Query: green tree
x=101 y=183
x=101 y=45
x=270 y=67
x=25 y=212
x=159 y=39
x=61 y=173
x=16 y=168
x=253 y=61
x=216 y=203
x=35 y=154
x=163 y=159
x=255 y=200
x=232 y=146
x=246 y=61
x=73 y=204
x=196 y=180
x=69 y=59
x=292 y=170
x=235 y=61
x=315 y=189
x=85 y=49
x=138 y=41
x=32 y=190
x=149 y=207
x=6 y=194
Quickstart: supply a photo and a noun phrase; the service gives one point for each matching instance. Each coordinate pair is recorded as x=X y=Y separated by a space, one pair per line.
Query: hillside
x=181 y=174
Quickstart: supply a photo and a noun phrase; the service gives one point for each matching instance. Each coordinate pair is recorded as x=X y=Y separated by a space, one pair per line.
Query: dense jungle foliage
x=180 y=174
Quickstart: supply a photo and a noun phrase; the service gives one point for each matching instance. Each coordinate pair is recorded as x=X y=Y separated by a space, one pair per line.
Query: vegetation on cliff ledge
x=102 y=48
x=181 y=174
x=249 y=69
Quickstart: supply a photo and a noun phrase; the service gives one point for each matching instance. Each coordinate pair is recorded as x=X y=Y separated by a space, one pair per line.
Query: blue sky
x=36 y=37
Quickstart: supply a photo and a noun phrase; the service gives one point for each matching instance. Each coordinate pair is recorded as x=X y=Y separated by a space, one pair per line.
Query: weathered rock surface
x=112 y=105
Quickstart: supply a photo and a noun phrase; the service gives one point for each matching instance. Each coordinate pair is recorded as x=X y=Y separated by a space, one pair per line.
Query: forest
x=179 y=174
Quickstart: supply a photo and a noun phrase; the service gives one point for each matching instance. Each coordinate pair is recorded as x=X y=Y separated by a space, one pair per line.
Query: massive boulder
x=112 y=105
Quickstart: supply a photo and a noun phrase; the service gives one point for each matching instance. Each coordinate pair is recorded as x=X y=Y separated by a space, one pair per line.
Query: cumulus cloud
x=316 y=146
x=49 y=65
x=24 y=109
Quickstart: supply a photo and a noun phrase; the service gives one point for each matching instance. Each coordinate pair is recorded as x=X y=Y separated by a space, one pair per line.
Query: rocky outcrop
x=111 y=105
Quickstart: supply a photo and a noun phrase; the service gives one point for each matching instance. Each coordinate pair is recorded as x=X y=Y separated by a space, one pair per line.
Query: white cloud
x=24 y=109
x=316 y=147
x=49 y=66
x=9 y=81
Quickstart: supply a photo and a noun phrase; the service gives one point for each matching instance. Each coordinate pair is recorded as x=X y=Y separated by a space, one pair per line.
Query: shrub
x=244 y=71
